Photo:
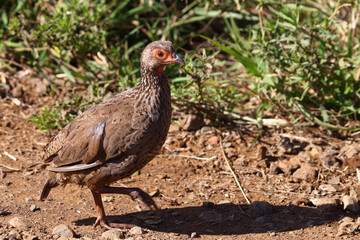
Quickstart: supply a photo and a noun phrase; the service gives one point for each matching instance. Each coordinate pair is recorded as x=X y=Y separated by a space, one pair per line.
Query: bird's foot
x=110 y=226
x=137 y=193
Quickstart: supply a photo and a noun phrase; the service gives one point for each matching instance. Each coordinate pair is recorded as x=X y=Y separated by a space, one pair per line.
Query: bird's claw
x=110 y=226
x=137 y=193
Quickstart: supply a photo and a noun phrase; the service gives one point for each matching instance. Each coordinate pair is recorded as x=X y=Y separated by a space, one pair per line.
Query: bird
x=117 y=137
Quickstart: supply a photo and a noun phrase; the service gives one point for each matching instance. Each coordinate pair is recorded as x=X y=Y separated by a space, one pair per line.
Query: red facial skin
x=165 y=57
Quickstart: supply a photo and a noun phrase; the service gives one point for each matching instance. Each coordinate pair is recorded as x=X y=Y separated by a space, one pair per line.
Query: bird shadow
x=227 y=219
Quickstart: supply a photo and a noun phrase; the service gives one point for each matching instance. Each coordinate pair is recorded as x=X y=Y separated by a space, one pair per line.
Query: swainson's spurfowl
x=117 y=137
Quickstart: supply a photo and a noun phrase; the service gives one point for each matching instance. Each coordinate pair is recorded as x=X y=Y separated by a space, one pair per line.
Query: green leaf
x=68 y=73
x=250 y=65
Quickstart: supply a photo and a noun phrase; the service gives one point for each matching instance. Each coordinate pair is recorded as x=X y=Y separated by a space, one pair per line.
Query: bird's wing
x=80 y=145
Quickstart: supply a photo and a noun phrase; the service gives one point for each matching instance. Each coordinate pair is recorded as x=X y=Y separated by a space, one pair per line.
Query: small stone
x=213 y=140
x=347 y=228
x=108 y=199
x=112 y=234
x=305 y=172
x=303 y=157
x=192 y=122
x=274 y=169
x=346 y=219
x=350 y=204
x=174 y=128
x=325 y=204
x=261 y=152
x=225 y=202
x=63 y=230
x=18 y=222
x=33 y=208
x=314 y=152
x=17 y=92
x=29 y=236
x=194 y=235
x=334 y=180
x=29 y=200
x=288 y=167
x=205 y=129
x=327 y=159
x=65 y=238
x=14 y=235
x=136 y=231
x=327 y=188
x=261 y=208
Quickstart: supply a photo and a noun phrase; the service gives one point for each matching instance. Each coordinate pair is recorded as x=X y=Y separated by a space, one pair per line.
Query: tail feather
x=50 y=183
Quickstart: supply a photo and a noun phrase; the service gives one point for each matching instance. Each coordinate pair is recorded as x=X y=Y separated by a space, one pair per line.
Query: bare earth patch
x=302 y=184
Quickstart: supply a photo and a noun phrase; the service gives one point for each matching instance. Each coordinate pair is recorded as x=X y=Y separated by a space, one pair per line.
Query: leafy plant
x=298 y=56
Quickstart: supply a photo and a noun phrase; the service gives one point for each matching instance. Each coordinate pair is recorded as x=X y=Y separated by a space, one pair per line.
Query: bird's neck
x=155 y=90
x=156 y=83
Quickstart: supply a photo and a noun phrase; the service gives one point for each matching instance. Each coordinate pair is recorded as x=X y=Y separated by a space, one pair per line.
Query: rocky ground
x=302 y=183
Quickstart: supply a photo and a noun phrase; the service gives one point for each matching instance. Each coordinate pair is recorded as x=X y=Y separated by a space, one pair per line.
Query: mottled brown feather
x=117 y=137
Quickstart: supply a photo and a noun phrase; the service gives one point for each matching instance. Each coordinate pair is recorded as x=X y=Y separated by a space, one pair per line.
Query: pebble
x=191 y=122
x=274 y=169
x=194 y=235
x=34 y=208
x=136 y=231
x=314 y=152
x=29 y=236
x=305 y=172
x=327 y=188
x=14 y=235
x=63 y=230
x=213 y=140
x=112 y=234
x=334 y=180
x=29 y=200
x=327 y=160
x=288 y=167
x=347 y=228
x=346 y=219
x=326 y=203
x=261 y=208
x=108 y=199
x=261 y=152
x=350 y=204
x=18 y=222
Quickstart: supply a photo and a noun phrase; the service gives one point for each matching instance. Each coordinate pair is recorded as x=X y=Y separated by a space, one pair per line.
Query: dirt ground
x=299 y=180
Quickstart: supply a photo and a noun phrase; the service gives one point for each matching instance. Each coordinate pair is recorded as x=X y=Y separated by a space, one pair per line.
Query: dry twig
x=10 y=156
x=10 y=168
x=232 y=171
x=186 y=156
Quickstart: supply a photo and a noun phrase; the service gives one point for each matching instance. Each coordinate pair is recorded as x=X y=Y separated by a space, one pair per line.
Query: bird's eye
x=160 y=53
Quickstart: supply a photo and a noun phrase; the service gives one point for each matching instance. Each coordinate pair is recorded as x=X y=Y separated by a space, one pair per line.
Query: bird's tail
x=50 y=183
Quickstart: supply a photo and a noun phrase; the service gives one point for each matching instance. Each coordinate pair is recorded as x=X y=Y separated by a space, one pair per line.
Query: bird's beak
x=177 y=59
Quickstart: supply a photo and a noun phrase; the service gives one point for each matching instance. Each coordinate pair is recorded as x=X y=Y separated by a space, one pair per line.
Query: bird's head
x=159 y=54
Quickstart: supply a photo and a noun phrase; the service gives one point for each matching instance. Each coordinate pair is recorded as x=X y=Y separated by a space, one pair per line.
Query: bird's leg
x=101 y=215
x=134 y=193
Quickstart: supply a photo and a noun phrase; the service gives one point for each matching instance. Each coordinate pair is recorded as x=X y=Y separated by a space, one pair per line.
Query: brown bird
x=117 y=137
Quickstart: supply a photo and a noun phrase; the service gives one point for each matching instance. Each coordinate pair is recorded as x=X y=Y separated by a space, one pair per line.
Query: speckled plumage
x=119 y=136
